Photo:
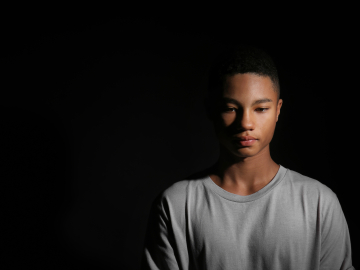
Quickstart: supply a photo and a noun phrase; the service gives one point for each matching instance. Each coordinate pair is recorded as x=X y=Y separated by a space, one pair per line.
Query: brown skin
x=244 y=170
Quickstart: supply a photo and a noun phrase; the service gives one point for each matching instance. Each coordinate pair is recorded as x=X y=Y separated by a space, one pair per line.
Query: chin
x=244 y=154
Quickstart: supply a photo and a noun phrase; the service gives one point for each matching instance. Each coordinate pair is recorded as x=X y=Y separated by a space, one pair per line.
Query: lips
x=245 y=143
x=245 y=138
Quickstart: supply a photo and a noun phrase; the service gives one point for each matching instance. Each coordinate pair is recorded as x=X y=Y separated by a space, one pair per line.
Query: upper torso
x=281 y=226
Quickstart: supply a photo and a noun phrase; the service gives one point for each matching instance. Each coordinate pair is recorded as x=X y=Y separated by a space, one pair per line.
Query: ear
x=278 y=107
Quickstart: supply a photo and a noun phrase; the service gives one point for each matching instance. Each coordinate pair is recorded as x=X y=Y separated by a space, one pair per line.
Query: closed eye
x=232 y=109
x=262 y=109
x=258 y=109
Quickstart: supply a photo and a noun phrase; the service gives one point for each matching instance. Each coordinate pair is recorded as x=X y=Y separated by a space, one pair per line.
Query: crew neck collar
x=209 y=183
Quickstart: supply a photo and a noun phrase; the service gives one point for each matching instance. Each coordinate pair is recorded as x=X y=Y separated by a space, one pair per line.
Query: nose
x=244 y=121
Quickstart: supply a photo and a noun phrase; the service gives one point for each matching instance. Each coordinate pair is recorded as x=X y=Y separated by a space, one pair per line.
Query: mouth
x=245 y=142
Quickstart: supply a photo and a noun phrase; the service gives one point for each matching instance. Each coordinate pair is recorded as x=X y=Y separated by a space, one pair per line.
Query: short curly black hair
x=242 y=59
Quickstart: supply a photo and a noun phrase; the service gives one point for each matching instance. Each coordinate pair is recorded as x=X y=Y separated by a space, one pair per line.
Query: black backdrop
x=100 y=112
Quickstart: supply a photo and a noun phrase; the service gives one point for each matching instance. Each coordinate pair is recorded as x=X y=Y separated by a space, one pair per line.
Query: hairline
x=275 y=86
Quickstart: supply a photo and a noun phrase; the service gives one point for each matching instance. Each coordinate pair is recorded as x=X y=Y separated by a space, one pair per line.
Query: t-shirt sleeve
x=335 y=238
x=159 y=242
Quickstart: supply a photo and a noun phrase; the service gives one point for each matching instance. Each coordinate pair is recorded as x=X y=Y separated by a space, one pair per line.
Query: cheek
x=227 y=119
x=268 y=126
x=222 y=121
x=267 y=121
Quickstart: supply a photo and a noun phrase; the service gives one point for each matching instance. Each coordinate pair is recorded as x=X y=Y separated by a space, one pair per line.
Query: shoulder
x=177 y=193
x=181 y=189
x=176 y=188
x=311 y=188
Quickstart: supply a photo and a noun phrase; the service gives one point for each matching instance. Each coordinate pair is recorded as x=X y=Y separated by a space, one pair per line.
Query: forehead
x=247 y=86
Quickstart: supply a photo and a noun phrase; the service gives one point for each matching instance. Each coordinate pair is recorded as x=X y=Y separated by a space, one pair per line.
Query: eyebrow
x=234 y=101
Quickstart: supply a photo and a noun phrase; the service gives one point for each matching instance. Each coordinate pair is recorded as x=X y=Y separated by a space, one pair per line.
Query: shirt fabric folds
x=294 y=222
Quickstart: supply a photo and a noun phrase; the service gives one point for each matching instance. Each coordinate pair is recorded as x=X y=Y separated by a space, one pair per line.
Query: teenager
x=246 y=211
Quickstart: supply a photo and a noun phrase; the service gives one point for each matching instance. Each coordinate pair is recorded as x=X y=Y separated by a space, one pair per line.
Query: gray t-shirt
x=294 y=222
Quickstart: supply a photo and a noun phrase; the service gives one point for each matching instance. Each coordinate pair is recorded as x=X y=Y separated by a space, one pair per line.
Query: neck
x=244 y=175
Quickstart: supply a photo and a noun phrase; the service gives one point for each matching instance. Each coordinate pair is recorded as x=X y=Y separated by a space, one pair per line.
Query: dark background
x=100 y=111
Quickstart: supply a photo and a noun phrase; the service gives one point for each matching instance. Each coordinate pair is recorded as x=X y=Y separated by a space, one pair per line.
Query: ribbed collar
x=208 y=182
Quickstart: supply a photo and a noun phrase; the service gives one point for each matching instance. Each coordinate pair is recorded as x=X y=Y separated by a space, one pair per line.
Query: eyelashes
x=232 y=109
x=263 y=109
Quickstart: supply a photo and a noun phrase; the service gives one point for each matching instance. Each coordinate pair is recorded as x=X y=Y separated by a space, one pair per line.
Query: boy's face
x=240 y=115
